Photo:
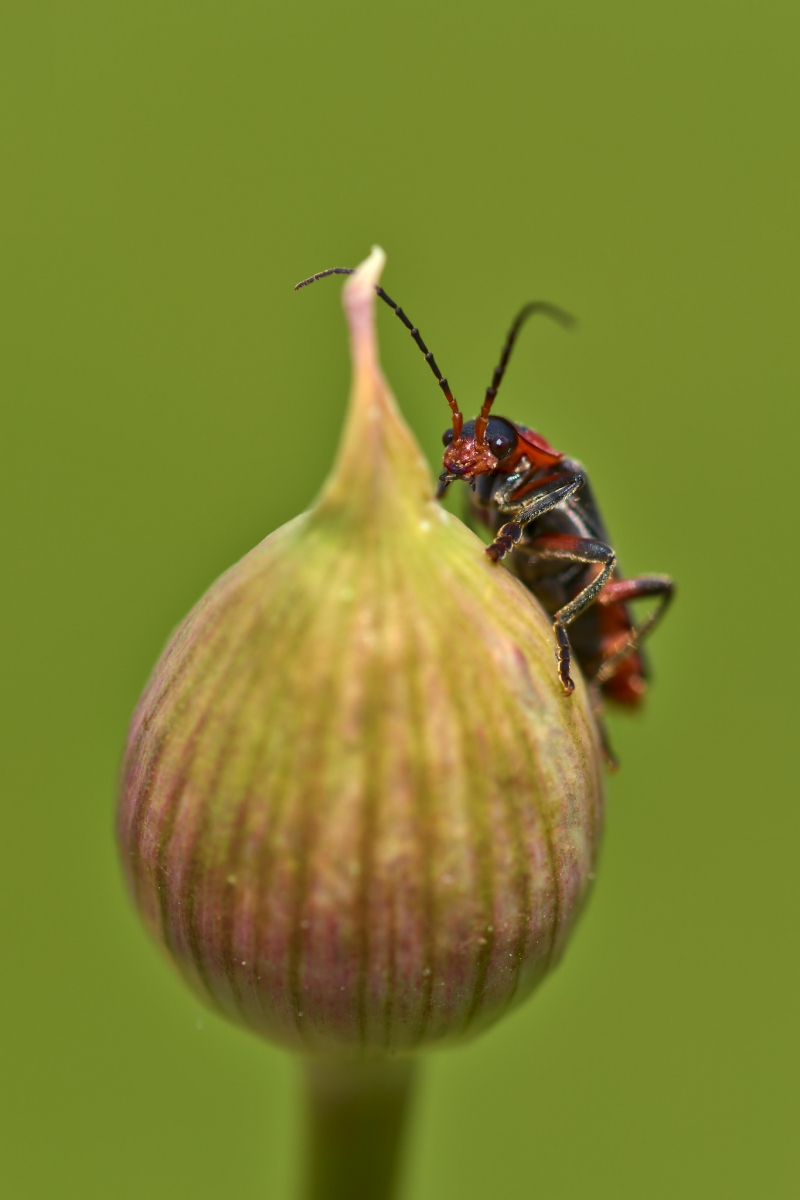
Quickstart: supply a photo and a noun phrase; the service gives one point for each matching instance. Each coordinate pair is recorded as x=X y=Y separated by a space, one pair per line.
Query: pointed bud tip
x=379 y=468
x=358 y=298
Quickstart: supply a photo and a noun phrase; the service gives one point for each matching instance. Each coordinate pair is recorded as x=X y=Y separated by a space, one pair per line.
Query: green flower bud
x=357 y=809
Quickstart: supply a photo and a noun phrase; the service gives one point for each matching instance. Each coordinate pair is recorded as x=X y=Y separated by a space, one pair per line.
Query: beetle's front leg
x=556 y=491
x=502 y=496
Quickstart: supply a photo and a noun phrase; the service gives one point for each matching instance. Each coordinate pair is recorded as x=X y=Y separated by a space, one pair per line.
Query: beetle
x=539 y=507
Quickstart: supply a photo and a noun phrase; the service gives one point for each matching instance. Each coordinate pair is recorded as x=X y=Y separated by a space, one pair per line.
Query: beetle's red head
x=489 y=443
x=469 y=454
x=502 y=448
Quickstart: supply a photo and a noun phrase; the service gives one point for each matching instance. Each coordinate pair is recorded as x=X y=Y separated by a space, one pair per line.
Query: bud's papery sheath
x=357 y=810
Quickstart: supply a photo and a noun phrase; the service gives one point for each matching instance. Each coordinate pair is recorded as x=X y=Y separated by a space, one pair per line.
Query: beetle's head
x=489 y=443
x=480 y=446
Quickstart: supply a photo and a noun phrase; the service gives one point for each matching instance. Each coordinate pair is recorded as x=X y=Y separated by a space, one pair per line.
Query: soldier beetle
x=539 y=506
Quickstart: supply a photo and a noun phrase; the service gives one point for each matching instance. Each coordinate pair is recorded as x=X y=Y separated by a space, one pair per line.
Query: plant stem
x=357 y=1114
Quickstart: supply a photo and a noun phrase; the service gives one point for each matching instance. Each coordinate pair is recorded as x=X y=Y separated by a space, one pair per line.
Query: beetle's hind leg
x=572 y=549
x=619 y=592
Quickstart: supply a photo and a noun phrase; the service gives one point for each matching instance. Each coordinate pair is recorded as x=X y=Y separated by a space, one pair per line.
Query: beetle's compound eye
x=501 y=437
x=500 y=446
x=447 y=437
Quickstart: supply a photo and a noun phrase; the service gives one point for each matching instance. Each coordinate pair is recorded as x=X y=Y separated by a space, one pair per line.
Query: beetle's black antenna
x=538 y=306
x=458 y=419
x=323 y=274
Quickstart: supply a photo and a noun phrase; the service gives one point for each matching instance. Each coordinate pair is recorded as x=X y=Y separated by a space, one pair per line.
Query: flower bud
x=357 y=809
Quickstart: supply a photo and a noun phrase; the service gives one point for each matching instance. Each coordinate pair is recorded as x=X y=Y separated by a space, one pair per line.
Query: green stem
x=357 y=1114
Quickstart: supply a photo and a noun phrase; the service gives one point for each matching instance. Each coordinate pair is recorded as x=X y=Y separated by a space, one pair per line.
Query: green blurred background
x=170 y=171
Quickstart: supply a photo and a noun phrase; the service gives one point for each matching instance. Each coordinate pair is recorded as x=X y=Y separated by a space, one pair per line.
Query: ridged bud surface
x=357 y=809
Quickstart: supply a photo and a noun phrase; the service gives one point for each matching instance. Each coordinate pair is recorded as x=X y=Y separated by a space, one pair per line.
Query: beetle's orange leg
x=619 y=592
